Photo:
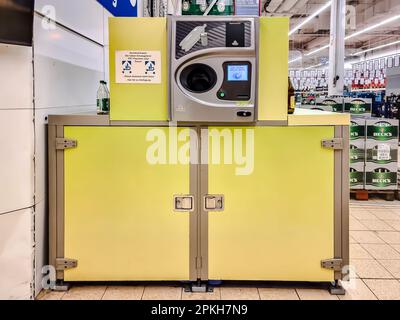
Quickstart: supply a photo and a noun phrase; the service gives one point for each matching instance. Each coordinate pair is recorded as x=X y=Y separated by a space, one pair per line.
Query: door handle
x=184 y=203
x=214 y=202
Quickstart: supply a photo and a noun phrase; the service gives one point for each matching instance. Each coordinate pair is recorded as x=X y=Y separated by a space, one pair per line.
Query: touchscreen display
x=238 y=72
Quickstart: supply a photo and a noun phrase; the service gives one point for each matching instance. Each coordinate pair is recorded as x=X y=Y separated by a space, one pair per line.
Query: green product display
x=357 y=154
x=381 y=178
x=356 y=178
x=378 y=156
x=198 y=7
x=332 y=104
x=357 y=107
x=382 y=130
x=357 y=129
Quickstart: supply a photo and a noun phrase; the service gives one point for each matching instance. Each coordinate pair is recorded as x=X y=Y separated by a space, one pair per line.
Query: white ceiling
x=316 y=33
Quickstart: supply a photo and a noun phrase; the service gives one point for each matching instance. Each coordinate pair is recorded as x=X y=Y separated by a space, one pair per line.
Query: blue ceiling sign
x=121 y=8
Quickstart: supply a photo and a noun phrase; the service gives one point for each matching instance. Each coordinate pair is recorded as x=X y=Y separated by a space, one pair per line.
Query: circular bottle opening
x=198 y=78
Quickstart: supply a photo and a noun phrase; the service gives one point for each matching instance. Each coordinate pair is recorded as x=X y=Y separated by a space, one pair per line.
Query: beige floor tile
x=366 y=237
x=351 y=240
x=278 y=294
x=356 y=290
x=85 y=293
x=123 y=293
x=386 y=215
x=358 y=252
x=356 y=225
x=50 y=295
x=393 y=266
x=396 y=247
x=162 y=293
x=250 y=293
x=381 y=251
x=370 y=269
x=385 y=289
x=363 y=215
x=215 y=295
x=391 y=237
x=315 y=294
x=377 y=225
x=395 y=224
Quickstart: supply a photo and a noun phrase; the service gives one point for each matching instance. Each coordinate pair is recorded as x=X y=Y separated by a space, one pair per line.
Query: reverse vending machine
x=199 y=173
x=213 y=76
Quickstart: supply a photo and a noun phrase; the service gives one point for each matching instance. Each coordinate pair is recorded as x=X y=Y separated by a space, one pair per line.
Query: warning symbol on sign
x=150 y=67
x=127 y=66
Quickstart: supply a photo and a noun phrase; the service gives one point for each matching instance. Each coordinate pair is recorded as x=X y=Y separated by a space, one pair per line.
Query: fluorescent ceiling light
x=296 y=59
x=376 y=48
x=317 y=50
x=316 y=66
x=312 y=16
x=383 y=22
x=379 y=24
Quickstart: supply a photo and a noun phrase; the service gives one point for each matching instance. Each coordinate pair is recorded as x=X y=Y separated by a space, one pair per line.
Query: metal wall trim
x=104 y=120
x=60 y=207
x=194 y=216
x=79 y=120
x=203 y=181
x=341 y=201
x=52 y=159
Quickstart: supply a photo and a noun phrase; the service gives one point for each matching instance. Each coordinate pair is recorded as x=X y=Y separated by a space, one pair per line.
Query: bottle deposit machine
x=213 y=63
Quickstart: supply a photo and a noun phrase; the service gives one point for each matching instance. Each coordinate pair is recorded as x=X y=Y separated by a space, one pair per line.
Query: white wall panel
x=16 y=254
x=68 y=69
x=41 y=240
x=82 y=16
x=16 y=158
x=107 y=15
x=16 y=87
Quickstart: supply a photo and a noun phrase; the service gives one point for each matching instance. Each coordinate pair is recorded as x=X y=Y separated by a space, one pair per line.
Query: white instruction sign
x=138 y=67
x=383 y=152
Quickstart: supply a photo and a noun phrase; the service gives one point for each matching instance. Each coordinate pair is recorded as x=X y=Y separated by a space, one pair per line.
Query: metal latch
x=214 y=203
x=183 y=203
x=332 y=264
x=63 y=143
x=335 y=143
x=64 y=264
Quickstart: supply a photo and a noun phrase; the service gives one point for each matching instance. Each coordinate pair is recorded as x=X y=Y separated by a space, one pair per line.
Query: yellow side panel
x=138 y=101
x=278 y=222
x=273 y=68
x=119 y=218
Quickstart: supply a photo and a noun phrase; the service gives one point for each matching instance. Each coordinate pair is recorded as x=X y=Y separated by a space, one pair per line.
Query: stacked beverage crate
x=357 y=153
x=331 y=103
x=358 y=106
x=382 y=142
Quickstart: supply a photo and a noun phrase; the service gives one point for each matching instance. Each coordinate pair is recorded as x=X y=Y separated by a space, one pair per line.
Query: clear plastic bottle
x=103 y=99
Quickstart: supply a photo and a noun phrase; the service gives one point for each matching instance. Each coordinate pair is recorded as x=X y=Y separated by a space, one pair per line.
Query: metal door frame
x=56 y=186
x=341 y=202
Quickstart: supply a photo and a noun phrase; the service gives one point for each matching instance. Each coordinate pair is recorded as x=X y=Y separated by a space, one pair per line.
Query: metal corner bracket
x=64 y=264
x=335 y=143
x=63 y=143
x=332 y=264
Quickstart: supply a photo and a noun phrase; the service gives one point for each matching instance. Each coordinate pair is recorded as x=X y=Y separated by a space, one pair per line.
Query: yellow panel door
x=278 y=220
x=119 y=219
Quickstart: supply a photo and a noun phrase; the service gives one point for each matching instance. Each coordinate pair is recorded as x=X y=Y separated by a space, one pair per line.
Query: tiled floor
x=374 y=255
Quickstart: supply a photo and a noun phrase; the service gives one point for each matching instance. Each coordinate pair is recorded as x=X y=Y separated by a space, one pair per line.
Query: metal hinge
x=332 y=264
x=64 y=264
x=64 y=143
x=335 y=143
x=199 y=262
